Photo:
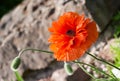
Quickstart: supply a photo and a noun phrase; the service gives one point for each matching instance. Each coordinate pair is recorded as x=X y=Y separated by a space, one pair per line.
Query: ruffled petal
x=92 y=35
x=71 y=36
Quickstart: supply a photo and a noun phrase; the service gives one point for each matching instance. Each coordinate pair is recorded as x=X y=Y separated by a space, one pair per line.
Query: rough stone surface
x=27 y=26
x=59 y=75
x=106 y=52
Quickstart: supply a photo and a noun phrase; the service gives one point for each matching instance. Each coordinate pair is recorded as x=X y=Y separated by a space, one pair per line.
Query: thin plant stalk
x=18 y=76
x=96 y=69
x=23 y=50
x=102 y=60
x=84 y=69
x=114 y=76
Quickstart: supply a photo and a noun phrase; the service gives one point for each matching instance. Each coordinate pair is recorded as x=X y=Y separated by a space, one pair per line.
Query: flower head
x=71 y=36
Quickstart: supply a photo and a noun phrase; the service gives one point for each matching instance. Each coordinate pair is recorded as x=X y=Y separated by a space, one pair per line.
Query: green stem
x=102 y=60
x=23 y=50
x=84 y=69
x=97 y=69
x=19 y=78
x=115 y=76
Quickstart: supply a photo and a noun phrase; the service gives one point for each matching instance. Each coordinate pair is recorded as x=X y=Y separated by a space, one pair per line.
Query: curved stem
x=97 y=69
x=23 y=50
x=84 y=69
x=17 y=61
x=19 y=78
x=102 y=60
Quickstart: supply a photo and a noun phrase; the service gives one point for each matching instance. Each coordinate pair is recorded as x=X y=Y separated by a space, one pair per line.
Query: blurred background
x=24 y=23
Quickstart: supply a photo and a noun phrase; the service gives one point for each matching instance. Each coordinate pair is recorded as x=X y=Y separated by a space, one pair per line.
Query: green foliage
x=116 y=50
x=117 y=16
x=116 y=47
x=117 y=31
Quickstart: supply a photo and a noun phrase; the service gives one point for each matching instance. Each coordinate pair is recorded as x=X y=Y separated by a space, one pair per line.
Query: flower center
x=70 y=33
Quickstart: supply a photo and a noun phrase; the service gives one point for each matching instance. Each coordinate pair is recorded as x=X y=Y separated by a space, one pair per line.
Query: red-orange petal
x=68 y=47
x=92 y=35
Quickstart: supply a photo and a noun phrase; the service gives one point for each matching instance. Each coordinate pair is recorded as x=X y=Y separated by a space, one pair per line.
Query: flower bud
x=68 y=68
x=15 y=63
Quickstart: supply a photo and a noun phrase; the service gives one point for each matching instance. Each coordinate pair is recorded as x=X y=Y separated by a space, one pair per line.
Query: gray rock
x=59 y=75
x=27 y=26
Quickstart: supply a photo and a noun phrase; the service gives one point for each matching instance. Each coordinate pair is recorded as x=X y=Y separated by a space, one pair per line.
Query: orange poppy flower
x=72 y=35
